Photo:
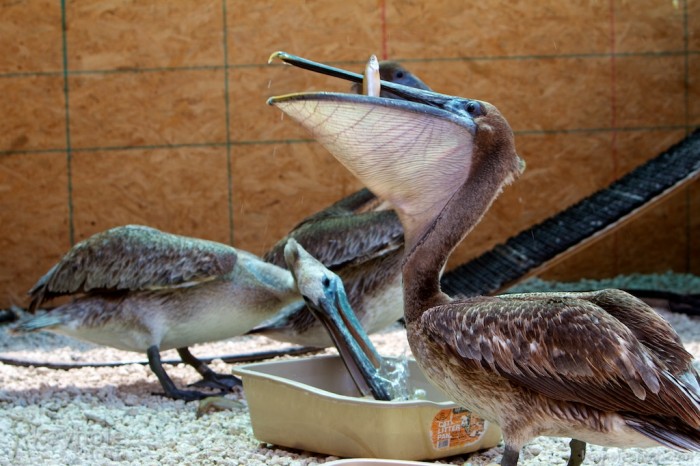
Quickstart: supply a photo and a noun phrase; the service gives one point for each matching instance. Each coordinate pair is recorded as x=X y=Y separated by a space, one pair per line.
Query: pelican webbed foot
x=171 y=391
x=210 y=379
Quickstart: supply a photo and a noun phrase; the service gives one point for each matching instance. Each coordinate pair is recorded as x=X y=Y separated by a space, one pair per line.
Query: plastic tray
x=312 y=404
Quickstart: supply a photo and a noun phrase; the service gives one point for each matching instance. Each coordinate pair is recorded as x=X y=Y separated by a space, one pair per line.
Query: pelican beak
x=421 y=93
x=325 y=296
x=416 y=153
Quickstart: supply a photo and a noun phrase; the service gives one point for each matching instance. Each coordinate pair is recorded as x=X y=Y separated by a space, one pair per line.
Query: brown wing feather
x=652 y=330
x=336 y=241
x=133 y=257
x=564 y=348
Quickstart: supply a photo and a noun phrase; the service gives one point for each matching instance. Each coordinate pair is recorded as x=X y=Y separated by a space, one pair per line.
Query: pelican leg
x=510 y=456
x=166 y=382
x=210 y=379
x=578 y=452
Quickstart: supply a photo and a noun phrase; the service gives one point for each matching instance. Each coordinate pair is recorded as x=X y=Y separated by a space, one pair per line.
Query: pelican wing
x=336 y=241
x=346 y=232
x=565 y=348
x=134 y=257
x=654 y=332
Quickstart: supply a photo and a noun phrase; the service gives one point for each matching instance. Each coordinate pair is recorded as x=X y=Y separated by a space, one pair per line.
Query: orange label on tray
x=456 y=427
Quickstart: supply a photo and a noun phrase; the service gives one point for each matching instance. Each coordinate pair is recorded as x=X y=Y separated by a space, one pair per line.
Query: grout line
x=112 y=148
x=164 y=69
x=688 y=198
x=613 y=91
x=562 y=56
x=385 y=46
x=227 y=102
x=669 y=53
x=7 y=153
x=526 y=132
x=149 y=147
x=686 y=43
x=629 y=129
x=69 y=153
x=31 y=74
x=613 y=124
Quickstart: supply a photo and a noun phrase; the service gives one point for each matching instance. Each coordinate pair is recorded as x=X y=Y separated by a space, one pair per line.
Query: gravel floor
x=110 y=416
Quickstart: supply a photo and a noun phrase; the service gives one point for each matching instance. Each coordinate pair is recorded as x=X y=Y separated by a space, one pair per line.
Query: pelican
x=325 y=296
x=140 y=289
x=599 y=367
x=360 y=238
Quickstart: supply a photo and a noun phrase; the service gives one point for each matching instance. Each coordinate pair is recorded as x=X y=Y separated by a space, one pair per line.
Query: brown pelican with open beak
x=599 y=367
x=360 y=238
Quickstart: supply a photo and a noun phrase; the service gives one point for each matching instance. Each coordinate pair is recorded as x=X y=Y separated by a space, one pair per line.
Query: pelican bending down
x=140 y=289
x=324 y=293
x=599 y=367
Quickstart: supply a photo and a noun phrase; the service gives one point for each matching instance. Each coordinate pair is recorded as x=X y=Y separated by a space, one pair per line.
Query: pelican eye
x=474 y=108
x=399 y=75
x=326 y=282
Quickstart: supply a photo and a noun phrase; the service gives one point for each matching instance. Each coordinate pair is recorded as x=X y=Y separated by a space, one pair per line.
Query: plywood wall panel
x=656 y=241
x=150 y=108
x=30 y=36
x=277 y=185
x=649 y=91
x=648 y=25
x=692 y=10
x=109 y=35
x=598 y=260
x=39 y=126
x=181 y=190
x=33 y=220
x=337 y=31
x=450 y=29
x=633 y=148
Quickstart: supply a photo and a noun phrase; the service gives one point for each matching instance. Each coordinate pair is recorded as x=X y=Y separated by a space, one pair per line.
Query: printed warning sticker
x=456 y=427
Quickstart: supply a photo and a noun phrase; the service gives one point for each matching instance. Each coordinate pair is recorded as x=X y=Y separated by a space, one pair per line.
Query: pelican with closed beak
x=137 y=288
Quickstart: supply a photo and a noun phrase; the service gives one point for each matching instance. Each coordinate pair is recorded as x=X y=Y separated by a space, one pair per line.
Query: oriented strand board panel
x=153 y=112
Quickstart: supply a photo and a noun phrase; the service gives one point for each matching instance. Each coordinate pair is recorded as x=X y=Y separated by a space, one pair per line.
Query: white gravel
x=110 y=416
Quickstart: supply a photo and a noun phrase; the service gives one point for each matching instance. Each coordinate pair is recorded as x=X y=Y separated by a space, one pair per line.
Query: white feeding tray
x=312 y=404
